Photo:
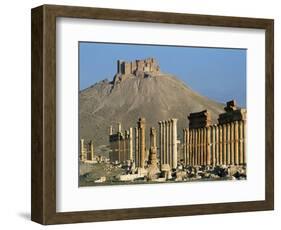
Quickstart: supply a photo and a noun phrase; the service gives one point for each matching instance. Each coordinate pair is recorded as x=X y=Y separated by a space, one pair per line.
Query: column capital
x=174 y=120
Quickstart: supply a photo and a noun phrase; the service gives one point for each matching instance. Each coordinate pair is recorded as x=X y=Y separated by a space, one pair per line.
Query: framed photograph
x=139 y=114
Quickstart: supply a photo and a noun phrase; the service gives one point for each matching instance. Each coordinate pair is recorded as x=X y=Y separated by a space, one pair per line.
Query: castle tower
x=119 y=66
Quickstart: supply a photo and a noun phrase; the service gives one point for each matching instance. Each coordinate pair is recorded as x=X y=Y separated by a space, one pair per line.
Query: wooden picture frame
x=43 y=207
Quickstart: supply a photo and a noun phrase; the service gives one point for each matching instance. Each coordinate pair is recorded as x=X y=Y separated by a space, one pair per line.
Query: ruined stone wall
x=86 y=151
x=120 y=145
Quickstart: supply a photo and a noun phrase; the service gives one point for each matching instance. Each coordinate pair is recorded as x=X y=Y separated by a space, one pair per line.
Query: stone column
x=82 y=150
x=224 y=144
x=119 y=127
x=213 y=130
x=184 y=147
x=191 y=146
x=204 y=156
x=198 y=153
x=241 y=132
x=131 y=143
x=228 y=144
x=141 y=126
x=174 y=141
x=236 y=138
x=123 y=154
x=220 y=145
x=164 y=142
x=92 y=150
x=195 y=146
x=200 y=146
x=168 y=141
x=245 y=143
x=187 y=147
x=160 y=143
x=232 y=143
x=119 y=146
x=152 y=137
x=171 y=141
x=208 y=145
x=217 y=146
x=136 y=147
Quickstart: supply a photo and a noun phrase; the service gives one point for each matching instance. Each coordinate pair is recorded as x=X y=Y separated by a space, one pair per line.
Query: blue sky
x=217 y=73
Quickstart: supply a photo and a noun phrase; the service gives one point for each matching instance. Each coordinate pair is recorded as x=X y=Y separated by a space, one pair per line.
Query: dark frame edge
x=43 y=119
x=158 y=212
x=37 y=189
x=269 y=113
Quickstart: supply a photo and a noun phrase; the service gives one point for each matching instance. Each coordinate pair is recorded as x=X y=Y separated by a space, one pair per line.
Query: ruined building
x=86 y=151
x=168 y=143
x=216 y=144
x=146 y=65
x=121 y=144
x=137 y=68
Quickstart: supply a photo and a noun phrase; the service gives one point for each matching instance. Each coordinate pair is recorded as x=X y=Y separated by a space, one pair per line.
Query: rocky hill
x=150 y=94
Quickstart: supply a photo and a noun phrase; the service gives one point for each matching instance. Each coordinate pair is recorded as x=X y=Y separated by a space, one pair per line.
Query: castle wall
x=146 y=65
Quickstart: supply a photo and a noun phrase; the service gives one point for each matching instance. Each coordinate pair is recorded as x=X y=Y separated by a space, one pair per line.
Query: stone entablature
x=232 y=113
x=200 y=119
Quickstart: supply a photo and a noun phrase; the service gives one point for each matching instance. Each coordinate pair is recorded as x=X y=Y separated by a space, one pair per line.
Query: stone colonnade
x=168 y=142
x=223 y=144
x=219 y=144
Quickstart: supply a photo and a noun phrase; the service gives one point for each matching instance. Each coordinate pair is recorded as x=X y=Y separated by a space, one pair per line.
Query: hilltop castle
x=139 y=68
